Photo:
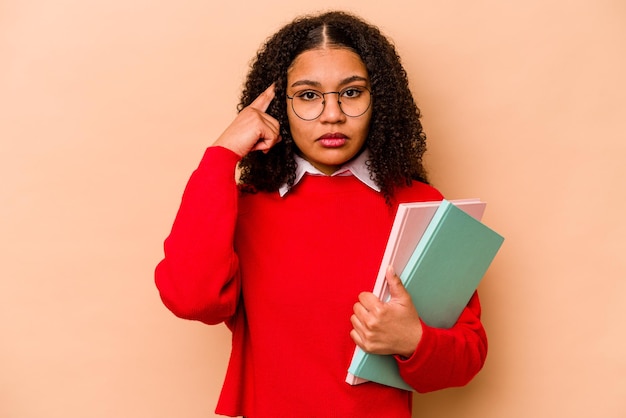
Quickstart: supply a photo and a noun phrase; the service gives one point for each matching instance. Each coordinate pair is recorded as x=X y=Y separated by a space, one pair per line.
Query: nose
x=332 y=112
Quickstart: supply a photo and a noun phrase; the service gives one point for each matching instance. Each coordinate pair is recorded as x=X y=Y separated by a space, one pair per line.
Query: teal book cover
x=441 y=275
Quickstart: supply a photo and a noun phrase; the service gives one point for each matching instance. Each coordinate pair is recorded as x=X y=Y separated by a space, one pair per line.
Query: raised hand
x=392 y=327
x=252 y=129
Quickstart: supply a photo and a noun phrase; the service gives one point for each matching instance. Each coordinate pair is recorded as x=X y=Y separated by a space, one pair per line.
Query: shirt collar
x=357 y=167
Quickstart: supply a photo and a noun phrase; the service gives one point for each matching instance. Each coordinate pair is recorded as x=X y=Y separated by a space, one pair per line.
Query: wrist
x=411 y=342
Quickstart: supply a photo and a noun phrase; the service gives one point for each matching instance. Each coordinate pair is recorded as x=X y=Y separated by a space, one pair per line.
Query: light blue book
x=441 y=275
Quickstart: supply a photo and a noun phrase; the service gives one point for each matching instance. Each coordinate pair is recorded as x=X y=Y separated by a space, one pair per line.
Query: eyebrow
x=343 y=82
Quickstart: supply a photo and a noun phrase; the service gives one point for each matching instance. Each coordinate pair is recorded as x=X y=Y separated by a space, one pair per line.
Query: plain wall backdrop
x=107 y=106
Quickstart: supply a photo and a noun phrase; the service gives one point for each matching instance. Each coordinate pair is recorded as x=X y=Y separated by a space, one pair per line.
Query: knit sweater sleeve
x=447 y=357
x=198 y=277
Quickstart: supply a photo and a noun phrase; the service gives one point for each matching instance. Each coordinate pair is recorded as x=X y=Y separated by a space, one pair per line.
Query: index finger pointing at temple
x=264 y=99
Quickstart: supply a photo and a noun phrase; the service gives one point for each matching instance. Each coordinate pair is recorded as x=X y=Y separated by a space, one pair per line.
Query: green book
x=441 y=275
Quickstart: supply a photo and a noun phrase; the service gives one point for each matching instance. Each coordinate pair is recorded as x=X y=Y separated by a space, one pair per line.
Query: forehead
x=326 y=66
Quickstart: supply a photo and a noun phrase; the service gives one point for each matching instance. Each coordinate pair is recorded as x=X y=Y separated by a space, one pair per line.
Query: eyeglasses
x=309 y=104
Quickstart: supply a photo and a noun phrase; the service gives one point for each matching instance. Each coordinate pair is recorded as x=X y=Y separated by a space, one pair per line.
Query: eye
x=351 y=92
x=308 y=95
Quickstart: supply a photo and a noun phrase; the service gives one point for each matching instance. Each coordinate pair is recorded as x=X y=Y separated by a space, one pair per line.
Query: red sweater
x=283 y=274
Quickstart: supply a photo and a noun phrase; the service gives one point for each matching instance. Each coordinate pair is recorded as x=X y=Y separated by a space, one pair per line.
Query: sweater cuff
x=217 y=152
x=218 y=159
x=424 y=346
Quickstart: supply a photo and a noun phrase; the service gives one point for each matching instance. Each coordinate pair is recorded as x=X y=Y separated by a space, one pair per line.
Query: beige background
x=107 y=106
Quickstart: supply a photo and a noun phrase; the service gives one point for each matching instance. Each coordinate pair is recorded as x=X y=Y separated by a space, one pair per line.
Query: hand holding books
x=381 y=327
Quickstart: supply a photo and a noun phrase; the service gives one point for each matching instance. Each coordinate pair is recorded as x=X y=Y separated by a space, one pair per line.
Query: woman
x=328 y=142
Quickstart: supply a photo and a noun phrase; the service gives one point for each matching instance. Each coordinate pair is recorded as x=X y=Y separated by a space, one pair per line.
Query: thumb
x=396 y=288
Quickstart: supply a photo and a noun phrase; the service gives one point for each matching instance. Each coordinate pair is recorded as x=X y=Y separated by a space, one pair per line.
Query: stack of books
x=442 y=250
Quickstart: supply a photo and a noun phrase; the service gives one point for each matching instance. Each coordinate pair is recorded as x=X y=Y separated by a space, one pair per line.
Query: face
x=333 y=138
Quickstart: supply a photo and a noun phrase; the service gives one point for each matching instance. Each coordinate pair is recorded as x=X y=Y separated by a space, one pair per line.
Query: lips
x=332 y=140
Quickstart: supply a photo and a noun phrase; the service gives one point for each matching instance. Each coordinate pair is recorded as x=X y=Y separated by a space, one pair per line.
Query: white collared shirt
x=356 y=167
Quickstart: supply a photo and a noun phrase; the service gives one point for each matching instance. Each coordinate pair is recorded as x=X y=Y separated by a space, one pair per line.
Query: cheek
x=292 y=119
x=296 y=127
x=365 y=127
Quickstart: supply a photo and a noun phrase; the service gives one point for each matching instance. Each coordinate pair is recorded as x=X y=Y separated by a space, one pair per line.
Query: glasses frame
x=338 y=93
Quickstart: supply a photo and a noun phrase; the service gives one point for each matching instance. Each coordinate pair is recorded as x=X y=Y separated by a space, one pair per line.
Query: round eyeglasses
x=309 y=104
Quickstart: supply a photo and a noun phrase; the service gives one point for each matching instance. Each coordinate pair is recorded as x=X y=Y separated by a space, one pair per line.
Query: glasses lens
x=354 y=101
x=309 y=104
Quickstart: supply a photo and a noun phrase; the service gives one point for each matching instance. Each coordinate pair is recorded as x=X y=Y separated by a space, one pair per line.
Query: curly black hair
x=396 y=139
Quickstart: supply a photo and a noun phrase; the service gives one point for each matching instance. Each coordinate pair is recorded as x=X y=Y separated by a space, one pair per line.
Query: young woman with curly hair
x=328 y=142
